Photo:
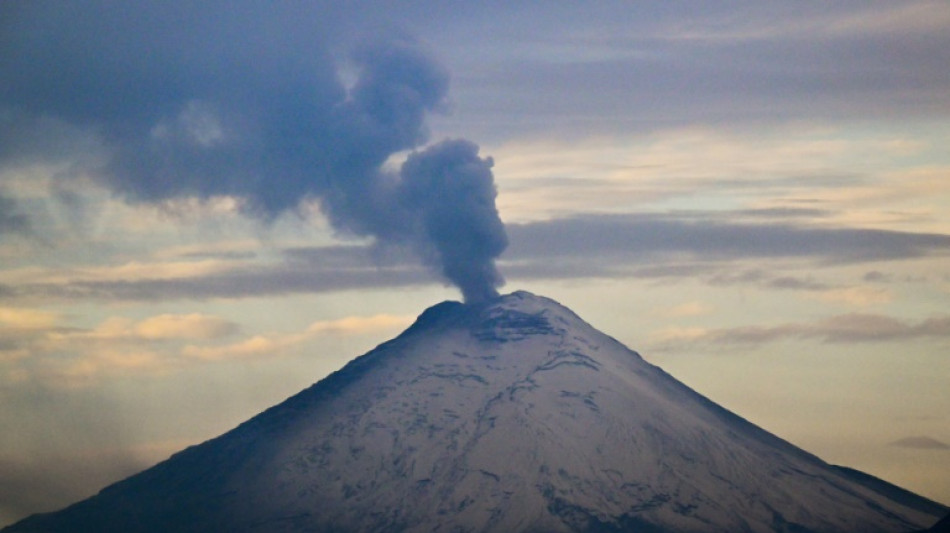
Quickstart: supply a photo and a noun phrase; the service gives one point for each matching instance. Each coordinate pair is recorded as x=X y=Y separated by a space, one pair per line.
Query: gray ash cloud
x=251 y=102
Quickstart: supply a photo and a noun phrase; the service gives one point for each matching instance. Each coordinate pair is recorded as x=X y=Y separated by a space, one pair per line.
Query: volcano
x=512 y=415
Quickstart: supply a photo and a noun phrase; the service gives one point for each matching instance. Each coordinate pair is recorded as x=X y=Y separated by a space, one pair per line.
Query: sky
x=205 y=209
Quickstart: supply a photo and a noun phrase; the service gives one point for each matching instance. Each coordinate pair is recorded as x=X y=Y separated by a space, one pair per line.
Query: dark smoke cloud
x=453 y=191
x=248 y=102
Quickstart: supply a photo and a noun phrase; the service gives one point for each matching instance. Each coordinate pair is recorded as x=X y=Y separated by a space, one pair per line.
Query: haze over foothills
x=204 y=210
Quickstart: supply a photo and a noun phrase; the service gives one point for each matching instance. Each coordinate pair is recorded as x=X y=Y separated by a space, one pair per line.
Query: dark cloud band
x=642 y=246
x=714 y=237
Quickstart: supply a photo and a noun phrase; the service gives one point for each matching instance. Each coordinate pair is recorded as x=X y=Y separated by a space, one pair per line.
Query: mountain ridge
x=508 y=415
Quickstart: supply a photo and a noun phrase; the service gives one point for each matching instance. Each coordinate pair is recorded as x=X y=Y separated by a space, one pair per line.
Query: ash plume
x=251 y=103
x=453 y=192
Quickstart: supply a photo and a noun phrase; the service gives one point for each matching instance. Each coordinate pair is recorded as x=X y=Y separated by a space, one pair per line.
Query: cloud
x=265 y=280
x=26 y=319
x=165 y=327
x=921 y=443
x=797 y=284
x=256 y=346
x=358 y=325
x=687 y=309
x=278 y=344
x=38 y=348
x=646 y=67
x=130 y=272
x=11 y=221
x=646 y=246
x=191 y=326
x=267 y=120
x=847 y=328
x=86 y=367
x=876 y=276
x=712 y=238
x=677 y=335
x=855 y=296
x=294 y=270
x=304 y=115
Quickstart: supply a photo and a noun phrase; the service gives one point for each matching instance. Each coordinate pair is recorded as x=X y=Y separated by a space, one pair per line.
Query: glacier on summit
x=507 y=415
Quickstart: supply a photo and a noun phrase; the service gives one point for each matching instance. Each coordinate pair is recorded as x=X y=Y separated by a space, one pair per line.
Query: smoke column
x=454 y=192
x=249 y=102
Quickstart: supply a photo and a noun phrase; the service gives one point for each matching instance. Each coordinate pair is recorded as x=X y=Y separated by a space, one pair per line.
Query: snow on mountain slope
x=514 y=415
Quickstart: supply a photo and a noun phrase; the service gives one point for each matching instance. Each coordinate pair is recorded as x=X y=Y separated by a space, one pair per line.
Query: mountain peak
x=511 y=414
x=507 y=317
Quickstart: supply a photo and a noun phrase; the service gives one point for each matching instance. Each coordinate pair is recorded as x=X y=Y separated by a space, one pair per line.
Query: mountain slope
x=514 y=415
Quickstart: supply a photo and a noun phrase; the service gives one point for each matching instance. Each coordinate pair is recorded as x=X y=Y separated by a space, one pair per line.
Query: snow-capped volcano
x=511 y=415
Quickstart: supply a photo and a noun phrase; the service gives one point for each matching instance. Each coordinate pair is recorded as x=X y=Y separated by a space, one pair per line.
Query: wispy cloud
x=256 y=346
x=855 y=296
x=191 y=326
x=847 y=328
x=11 y=220
x=28 y=319
x=921 y=443
x=37 y=347
x=687 y=309
x=655 y=66
x=278 y=344
x=359 y=325
x=236 y=276
x=713 y=238
x=648 y=246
